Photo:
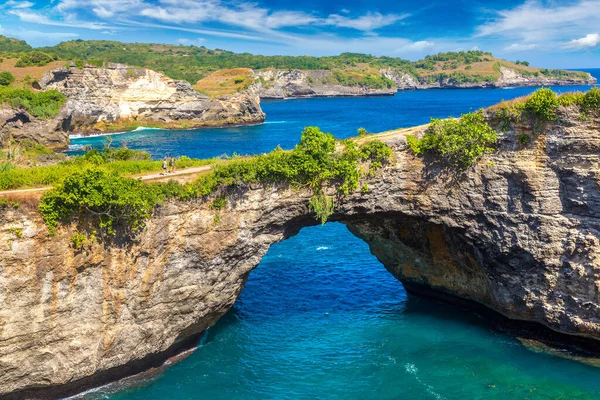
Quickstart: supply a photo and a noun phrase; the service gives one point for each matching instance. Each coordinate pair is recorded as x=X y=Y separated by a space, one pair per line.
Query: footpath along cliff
x=517 y=234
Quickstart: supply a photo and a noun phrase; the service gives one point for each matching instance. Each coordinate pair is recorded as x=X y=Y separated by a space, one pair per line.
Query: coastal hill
x=295 y=76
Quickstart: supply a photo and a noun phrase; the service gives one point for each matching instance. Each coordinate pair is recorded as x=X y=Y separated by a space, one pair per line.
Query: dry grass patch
x=34 y=73
x=224 y=82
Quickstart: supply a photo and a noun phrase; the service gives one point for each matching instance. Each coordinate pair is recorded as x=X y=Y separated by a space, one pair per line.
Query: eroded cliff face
x=519 y=233
x=508 y=78
x=279 y=84
x=117 y=95
x=20 y=125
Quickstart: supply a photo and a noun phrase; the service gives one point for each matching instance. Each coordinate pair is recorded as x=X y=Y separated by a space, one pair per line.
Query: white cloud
x=17 y=4
x=367 y=22
x=32 y=35
x=102 y=8
x=534 y=21
x=190 y=42
x=517 y=47
x=70 y=21
x=416 y=47
x=588 y=41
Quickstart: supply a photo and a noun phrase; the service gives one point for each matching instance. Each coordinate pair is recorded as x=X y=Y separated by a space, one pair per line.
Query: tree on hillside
x=6 y=78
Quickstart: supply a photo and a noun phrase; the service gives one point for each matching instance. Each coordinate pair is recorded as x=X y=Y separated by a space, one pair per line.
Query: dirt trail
x=182 y=175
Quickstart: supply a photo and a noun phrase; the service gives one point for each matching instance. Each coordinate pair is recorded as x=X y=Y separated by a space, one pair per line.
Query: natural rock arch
x=518 y=234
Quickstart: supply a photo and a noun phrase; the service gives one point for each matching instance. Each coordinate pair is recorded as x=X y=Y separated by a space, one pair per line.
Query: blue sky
x=554 y=34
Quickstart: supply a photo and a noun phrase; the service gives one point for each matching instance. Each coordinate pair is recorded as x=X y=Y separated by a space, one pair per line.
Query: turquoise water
x=320 y=317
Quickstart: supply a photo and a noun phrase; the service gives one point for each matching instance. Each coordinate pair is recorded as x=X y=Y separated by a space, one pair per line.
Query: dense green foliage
x=13 y=45
x=39 y=104
x=122 y=161
x=113 y=202
x=35 y=58
x=459 y=142
x=6 y=78
x=108 y=199
x=192 y=63
x=366 y=80
x=542 y=104
x=456 y=59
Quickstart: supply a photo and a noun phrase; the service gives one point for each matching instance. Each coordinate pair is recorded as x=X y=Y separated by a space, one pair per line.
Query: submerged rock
x=518 y=233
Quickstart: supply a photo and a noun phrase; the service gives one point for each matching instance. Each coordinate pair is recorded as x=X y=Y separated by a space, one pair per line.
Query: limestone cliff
x=508 y=78
x=104 y=98
x=279 y=84
x=519 y=233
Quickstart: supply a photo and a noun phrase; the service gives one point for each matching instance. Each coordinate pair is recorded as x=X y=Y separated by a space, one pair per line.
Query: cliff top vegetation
x=192 y=63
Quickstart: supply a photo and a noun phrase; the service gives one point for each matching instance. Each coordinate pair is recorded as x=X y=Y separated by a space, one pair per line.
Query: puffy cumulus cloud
x=517 y=47
x=534 y=21
x=587 y=42
x=416 y=47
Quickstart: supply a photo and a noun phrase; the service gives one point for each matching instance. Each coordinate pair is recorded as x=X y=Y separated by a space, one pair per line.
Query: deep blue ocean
x=320 y=317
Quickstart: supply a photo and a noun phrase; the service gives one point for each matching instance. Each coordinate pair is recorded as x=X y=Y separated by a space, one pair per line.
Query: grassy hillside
x=193 y=63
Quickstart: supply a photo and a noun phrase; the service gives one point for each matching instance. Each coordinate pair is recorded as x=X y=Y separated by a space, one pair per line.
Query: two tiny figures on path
x=168 y=165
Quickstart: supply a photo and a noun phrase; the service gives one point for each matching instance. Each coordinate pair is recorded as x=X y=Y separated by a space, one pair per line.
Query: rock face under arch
x=519 y=234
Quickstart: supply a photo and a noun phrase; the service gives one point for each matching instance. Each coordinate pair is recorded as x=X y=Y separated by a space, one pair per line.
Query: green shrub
x=571 y=98
x=591 y=100
x=362 y=132
x=78 y=240
x=18 y=232
x=39 y=104
x=219 y=203
x=542 y=104
x=109 y=199
x=322 y=206
x=35 y=58
x=116 y=202
x=6 y=78
x=524 y=139
x=459 y=142
x=5 y=203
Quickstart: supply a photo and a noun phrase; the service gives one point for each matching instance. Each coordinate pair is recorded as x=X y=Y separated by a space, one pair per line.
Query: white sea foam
x=276 y=122
x=413 y=370
x=321 y=248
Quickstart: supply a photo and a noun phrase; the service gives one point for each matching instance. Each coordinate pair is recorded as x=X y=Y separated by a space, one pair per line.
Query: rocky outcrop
x=17 y=124
x=508 y=78
x=118 y=95
x=519 y=233
x=279 y=84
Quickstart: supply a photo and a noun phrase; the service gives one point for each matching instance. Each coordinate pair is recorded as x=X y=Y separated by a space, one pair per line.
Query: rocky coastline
x=517 y=235
x=281 y=84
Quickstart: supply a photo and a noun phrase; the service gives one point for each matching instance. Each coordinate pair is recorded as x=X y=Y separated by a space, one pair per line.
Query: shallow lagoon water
x=320 y=317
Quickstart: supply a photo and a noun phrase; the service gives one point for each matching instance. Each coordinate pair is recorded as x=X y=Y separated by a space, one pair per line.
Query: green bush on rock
x=543 y=104
x=108 y=199
x=112 y=201
x=460 y=142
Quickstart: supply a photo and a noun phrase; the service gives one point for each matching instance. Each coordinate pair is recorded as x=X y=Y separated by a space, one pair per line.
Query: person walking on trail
x=172 y=164
x=164 y=166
